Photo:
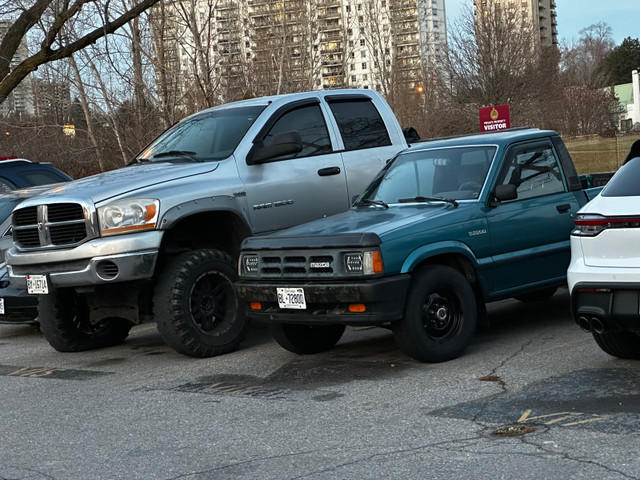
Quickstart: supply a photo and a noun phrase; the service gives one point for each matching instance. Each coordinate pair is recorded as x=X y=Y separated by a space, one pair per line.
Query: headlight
x=248 y=264
x=367 y=263
x=128 y=215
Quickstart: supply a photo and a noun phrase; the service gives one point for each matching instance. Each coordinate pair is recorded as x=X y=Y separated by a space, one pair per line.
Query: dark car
x=20 y=173
x=16 y=306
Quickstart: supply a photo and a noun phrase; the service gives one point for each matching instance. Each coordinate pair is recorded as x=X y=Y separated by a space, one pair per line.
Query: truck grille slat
x=301 y=265
x=51 y=225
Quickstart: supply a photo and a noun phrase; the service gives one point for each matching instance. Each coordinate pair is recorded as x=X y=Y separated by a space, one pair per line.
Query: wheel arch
x=456 y=255
x=205 y=228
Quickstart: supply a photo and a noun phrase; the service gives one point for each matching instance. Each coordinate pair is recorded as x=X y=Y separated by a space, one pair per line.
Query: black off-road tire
x=196 y=306
x=440 y=315
x=64 y=321
x=619 y=344
x=306 y=339
x=537 y=296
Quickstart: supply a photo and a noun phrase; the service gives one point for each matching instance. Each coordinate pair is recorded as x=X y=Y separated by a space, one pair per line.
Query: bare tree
x=582 y=62
x=46 y=19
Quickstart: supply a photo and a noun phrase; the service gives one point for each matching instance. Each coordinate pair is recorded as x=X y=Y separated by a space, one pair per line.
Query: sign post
x=494 y=118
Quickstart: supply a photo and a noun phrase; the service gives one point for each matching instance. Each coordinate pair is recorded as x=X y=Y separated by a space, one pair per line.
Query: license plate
x=291 y=298
x=1 y=306
x=37 y=284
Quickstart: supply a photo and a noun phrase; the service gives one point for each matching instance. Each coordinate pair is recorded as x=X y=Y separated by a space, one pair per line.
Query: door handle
x=325 y=172
x=563 y=208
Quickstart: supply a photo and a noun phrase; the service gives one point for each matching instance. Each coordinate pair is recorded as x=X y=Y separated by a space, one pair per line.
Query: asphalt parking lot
x=533 y=397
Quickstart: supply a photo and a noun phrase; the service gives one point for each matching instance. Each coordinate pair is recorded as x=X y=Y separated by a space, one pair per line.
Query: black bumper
x=19 y=306
x=328 y=303
x=616 y=306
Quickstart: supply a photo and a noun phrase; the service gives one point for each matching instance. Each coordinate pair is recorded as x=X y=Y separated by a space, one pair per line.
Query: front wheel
x=440 y=315
x=64 y=321
x=306 y=339
x=619 y=344
x=196 y=306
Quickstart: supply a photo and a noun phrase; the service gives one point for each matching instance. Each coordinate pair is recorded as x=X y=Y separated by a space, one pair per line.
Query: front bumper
x=98 y=261
x=328 y=303
x=19 y=306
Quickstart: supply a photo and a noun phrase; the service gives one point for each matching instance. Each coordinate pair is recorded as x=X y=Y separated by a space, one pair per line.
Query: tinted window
x=533 y=170
x=625 y=182
x=41 y=177
x=208 y=136
x=6 y=185
x=360 y=124
x=309 y=122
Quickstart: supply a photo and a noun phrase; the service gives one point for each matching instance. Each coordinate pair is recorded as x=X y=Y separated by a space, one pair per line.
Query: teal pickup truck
x=446 y=226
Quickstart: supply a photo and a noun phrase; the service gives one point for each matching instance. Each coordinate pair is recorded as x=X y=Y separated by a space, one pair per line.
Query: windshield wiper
x=367 y=201
x=420 y=198
x=178 y=153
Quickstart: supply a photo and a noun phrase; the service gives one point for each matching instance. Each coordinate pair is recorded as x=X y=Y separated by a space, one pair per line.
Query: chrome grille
x=51 y=225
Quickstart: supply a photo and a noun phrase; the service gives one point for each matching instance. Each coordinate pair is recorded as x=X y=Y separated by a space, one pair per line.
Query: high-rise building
x=540 y=15
x=20 y=100
x=268 y=47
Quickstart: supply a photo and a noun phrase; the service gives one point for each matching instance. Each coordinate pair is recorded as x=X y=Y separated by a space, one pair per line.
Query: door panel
x=530 y=235
x=297 y=187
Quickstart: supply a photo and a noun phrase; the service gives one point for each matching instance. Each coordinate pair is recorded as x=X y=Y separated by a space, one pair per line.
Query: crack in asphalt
x=566 y=456
x=493 y=376
x=461 y=445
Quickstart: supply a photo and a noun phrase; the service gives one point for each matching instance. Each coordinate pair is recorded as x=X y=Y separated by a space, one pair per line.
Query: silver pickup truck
x=158 y=239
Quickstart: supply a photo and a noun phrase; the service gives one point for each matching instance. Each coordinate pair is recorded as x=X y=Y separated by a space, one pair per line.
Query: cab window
x=309 y=122
x=534 y=170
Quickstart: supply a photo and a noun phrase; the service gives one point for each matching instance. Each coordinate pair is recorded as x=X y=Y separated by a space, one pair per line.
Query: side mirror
x=286 y=143
x=506 y=192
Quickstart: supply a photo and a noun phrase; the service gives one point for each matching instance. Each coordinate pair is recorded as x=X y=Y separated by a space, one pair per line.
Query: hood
x=127 y=179
x=374 y=219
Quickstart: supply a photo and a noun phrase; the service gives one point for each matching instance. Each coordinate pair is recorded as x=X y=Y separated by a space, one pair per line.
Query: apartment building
x=267 y=47
x=540 y=15
x=20 y=100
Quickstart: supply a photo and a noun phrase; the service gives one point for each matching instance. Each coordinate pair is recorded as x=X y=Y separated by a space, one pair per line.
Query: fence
x=593 y=153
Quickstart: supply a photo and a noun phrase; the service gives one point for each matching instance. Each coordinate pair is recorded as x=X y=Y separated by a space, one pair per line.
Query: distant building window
x=435 y=24
x=434 y=11
x=362 y=42
x=364 y=65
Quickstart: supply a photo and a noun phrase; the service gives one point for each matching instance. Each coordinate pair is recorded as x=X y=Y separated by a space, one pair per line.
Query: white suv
x=604 y=273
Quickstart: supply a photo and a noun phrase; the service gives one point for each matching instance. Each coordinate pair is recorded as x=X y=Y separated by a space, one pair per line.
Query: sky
x=623 y=16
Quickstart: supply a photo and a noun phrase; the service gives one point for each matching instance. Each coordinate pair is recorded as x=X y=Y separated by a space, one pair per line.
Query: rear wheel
x=619 y=344
x=440 y=315
x=196 y=306
x=64 y=321
x=306 y=339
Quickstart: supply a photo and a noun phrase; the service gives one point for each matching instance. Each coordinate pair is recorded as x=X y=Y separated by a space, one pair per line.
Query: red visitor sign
x=494 y=118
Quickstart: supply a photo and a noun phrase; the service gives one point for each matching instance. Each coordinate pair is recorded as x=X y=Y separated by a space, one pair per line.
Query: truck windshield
x=456 y=173
x=204 y=137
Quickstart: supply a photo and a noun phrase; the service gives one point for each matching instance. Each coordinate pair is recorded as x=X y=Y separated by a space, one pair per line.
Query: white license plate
x=1 y=306
x=291 y=298
x=37 y=284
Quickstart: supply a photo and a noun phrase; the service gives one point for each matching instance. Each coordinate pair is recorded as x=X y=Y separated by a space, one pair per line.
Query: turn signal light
x=357 y=308
x=255 y=306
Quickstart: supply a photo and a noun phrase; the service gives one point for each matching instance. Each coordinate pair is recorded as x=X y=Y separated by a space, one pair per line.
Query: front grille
x=49 y=225
x=300 y=264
